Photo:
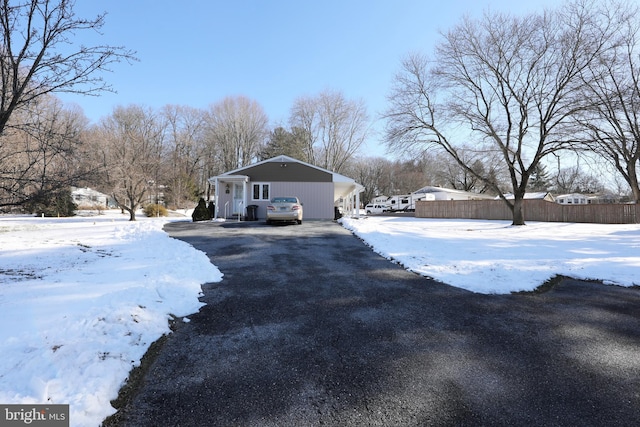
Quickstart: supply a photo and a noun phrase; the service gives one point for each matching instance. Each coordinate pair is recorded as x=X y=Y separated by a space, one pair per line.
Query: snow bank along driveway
x=81 y=300
x=495 y=257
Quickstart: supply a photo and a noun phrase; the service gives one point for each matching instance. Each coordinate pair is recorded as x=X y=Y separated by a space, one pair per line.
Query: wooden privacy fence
x=534 y=210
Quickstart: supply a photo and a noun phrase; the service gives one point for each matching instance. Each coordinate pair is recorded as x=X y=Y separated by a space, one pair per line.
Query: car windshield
x=284 y=200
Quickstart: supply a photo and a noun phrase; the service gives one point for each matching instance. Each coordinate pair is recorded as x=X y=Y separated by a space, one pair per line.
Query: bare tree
x=406 y=176
x=447 y=172
x=184 y=151
x=43 y=155
x=502 y=86
x=236 y=128
x=130 y=142
x=575 y=180
x=612 y=122
x=38 y=55
x=334 y=126
x=373 y=173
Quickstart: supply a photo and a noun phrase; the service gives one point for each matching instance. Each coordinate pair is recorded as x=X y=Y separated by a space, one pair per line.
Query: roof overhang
x=228 y=178
x=342 y=190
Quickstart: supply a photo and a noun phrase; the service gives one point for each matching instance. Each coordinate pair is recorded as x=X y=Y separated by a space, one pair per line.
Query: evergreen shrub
x=201 y=212
x=55 y=203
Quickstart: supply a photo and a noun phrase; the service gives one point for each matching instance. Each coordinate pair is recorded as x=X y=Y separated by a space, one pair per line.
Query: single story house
x=572 y=199
x=320 y=191
x=87 y=197
x=586 y=199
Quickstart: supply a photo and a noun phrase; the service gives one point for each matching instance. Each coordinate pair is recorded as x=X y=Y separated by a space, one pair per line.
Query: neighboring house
x=319 y=190
x=587 y=199
x=572 y=199
x=603 y=198
x=86 y=197
x=440 y=193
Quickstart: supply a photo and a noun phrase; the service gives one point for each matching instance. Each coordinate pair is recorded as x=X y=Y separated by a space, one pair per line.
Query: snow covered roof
x=540 y=195
x=87 y=192
x=431 y=189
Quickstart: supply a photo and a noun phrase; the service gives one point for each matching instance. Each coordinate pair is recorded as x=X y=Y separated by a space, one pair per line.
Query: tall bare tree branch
x=39 y=54
x=612 y=122
x=335 y=128
x=501 y=85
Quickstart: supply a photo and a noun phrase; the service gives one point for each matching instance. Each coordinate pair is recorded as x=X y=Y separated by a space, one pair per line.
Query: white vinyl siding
x=316 y=197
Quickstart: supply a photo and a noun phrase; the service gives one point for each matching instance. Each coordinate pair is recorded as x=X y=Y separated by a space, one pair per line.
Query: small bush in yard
x=155 y=210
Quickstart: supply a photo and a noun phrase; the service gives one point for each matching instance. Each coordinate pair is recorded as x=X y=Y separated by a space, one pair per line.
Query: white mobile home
x=572 y=199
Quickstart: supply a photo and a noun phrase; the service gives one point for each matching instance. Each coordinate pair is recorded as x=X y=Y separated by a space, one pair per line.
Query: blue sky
x=199 y=51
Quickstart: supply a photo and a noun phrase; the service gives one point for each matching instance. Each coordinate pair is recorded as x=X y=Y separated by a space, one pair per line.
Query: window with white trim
x=260 y=191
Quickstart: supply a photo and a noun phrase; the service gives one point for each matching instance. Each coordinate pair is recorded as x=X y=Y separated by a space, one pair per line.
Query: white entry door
x=238 y=199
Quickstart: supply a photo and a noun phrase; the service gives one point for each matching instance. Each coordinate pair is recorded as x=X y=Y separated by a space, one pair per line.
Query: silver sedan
x=284 y=209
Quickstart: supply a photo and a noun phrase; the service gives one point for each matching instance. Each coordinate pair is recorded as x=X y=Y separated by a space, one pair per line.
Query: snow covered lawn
x=81 y=300
x=494 y=257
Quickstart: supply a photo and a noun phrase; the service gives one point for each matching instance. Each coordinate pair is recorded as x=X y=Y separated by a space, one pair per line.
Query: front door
x=238 y=199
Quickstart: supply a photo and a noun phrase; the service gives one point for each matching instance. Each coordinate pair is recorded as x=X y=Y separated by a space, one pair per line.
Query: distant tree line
x=502 y=101
x=381 y=176
x=137 y=153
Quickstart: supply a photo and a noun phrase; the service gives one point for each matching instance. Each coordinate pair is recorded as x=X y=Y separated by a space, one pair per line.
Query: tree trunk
x=633 y=182
x=132 y=212
x=518 y=212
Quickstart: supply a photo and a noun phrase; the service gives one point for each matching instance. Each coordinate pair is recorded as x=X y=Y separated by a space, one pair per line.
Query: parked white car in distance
x=375 y=208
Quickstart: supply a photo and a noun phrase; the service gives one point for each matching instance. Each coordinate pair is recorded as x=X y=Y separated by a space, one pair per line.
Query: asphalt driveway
x=310 y=327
